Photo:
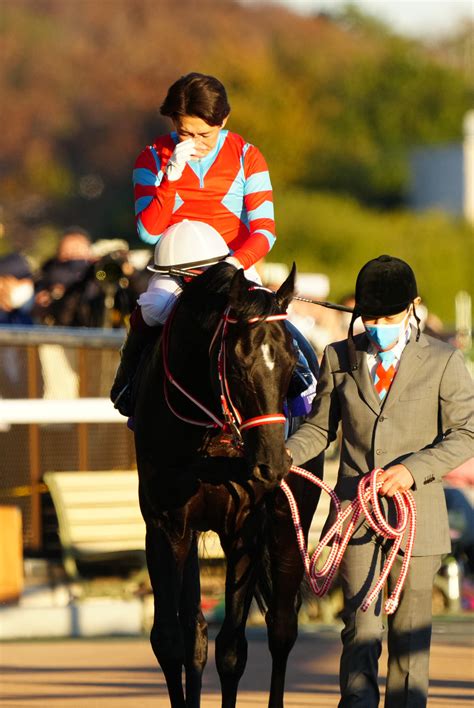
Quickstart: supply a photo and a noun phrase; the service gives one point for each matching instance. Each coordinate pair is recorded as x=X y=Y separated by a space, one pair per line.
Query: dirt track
x=122 y=672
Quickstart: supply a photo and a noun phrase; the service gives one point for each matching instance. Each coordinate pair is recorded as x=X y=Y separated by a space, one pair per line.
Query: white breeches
x=163 y=291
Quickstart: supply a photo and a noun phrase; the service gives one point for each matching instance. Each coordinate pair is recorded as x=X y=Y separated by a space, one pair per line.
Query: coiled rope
x=366 y=502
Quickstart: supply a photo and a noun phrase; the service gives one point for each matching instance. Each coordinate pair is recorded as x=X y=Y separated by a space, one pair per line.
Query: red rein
x=232 y=419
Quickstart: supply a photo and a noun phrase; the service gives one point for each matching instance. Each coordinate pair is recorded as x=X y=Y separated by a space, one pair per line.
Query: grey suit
x=426 y=423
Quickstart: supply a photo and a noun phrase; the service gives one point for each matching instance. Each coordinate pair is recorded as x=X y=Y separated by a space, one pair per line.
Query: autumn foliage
x=334 y=103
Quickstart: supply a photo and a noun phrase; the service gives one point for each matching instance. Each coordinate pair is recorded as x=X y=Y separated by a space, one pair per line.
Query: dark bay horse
x=225 y=358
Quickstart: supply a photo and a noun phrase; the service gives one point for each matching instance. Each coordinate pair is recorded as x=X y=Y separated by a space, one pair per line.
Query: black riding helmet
x=384 y=286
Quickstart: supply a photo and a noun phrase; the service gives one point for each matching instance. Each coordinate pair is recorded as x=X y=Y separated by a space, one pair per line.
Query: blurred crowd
x=84 y=284
x=96 y=284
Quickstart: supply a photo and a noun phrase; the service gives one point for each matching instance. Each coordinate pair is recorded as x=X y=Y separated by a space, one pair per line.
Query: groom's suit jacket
x=425 y=422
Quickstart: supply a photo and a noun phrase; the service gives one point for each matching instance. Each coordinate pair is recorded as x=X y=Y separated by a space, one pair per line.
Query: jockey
x=191 y=246
x=199 y=173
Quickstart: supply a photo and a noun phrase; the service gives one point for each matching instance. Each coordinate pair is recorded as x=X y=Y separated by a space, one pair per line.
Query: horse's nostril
x=265 y=474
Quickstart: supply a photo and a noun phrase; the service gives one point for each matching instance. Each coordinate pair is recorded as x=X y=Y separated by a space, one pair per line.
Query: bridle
x=231 y=420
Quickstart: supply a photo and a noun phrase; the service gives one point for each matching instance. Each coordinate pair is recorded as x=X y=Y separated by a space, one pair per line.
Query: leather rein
x=231 y=420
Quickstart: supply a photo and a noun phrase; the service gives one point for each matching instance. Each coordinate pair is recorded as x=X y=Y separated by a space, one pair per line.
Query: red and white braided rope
x=367 y=502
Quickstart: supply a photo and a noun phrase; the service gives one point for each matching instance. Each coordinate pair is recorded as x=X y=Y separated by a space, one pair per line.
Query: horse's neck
x=189 y=352
x=199 y=327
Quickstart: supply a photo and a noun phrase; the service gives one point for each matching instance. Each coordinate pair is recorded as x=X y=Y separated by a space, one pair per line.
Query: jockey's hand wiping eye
x=183 y=152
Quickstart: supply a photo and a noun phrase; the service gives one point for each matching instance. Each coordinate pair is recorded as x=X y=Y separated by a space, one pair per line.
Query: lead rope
x=367 y=502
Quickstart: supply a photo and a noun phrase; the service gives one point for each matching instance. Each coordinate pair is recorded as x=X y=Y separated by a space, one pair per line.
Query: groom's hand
x=395 y=479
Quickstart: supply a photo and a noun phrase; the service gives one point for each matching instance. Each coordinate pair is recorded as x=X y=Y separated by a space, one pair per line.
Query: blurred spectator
x=90 y=284
x=459 y=493
x=123 y=276
x=16 y=302
x=429 y=322
x=344 y=318
x=16 y=290
x=75 y=245
x=67 y=267
x=318 y=324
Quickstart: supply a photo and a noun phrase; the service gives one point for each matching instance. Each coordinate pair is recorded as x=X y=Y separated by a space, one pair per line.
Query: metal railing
x=47 y=364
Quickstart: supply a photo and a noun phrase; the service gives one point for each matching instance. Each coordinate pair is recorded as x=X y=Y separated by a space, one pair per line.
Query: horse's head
x=221 y=315
x=259 y=361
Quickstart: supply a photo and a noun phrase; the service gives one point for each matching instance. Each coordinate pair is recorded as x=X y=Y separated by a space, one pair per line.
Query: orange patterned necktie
x=384 y=373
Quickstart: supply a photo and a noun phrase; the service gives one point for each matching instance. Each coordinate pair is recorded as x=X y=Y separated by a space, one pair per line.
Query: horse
x=210 y=448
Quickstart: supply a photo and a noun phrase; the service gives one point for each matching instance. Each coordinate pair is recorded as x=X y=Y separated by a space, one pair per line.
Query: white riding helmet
x=188 y=244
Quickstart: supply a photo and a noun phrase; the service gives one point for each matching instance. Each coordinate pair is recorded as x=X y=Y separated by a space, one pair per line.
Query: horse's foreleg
x=231 y=643
x=193 y=627
x=282 y=622
x=287 y=573
x=282 y=614
x=166 y=638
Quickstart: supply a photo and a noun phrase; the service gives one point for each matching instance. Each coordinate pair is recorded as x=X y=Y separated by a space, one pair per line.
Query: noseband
x=231 y=419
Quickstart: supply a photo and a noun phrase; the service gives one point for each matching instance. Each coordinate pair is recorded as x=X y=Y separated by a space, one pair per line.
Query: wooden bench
x=100 y=520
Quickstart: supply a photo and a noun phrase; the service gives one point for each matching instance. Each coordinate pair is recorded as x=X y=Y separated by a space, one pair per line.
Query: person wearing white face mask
x=16 y=290
x=405 y=404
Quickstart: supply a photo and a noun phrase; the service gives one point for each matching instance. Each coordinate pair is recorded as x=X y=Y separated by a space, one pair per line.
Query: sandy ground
x=122 y=672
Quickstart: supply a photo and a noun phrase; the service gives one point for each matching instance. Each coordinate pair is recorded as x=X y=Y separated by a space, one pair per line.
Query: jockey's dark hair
x=197 y=95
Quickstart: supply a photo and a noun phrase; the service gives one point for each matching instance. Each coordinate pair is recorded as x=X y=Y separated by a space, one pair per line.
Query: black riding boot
x=130 y=355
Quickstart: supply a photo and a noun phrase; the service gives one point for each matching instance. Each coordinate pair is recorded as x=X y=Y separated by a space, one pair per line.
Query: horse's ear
x=238 y=289
x=286 y=291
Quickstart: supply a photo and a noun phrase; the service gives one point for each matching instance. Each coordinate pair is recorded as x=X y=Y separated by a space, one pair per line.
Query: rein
x=231 y=419
x=184 y=273
x=367 y=502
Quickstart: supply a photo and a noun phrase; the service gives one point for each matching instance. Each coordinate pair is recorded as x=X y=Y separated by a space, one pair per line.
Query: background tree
x=335 y=104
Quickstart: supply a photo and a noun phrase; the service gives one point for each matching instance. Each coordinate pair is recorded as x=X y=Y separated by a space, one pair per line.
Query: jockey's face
x=204 y=135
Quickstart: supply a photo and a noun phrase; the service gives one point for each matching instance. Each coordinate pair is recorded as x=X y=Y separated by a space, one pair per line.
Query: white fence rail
x=40 y=411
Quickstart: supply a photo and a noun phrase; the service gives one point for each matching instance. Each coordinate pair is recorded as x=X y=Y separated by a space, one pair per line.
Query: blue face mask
x=385 y=336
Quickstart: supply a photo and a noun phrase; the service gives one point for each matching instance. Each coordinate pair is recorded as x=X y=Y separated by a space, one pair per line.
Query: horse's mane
x=208 y=295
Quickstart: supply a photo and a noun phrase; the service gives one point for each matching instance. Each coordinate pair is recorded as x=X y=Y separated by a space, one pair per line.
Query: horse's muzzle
x=271 y=475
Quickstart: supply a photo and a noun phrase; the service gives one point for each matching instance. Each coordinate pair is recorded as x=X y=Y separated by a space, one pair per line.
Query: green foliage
x=336 y=235
x=335 y=104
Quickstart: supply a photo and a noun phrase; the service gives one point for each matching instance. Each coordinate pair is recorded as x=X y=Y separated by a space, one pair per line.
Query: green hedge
x=336 y=235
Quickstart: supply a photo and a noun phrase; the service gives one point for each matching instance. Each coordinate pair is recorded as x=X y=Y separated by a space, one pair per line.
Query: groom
x=405 y=404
